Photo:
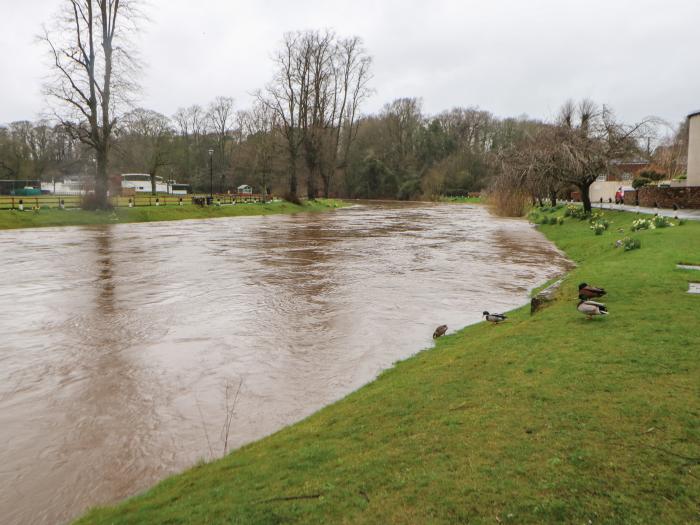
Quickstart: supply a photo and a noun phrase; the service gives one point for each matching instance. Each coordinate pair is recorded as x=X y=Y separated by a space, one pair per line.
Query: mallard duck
x=590 y=292
x=440 y=331
x=591 y=308
x=494 y=318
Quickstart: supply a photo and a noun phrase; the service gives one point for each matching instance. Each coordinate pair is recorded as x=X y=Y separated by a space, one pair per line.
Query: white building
x=141 y=183
x=67 y=186
x=694 y=149
x=245 y=189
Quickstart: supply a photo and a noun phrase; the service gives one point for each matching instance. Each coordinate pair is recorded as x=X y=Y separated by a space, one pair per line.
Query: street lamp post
x=211 y=175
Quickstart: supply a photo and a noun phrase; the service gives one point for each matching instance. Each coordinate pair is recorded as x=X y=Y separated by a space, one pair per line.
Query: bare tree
x=145 y=141
x=316 y=92
x=351 y=75
x=221 y=119
x=259 y=126
x=404 y=120
x=587 y=139
x=672 y=154
x=282 y=96
x=92 y=74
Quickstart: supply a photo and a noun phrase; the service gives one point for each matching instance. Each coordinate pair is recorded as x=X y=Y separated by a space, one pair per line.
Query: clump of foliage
x=598 y=217
x=91 y=202
x=576 y=212
x=598 y=228
x=657 y=221
x=642 y=224
x=652 y=175
x=661 y=222
x=640 y=182
x=560 y=220
x=533 y=216
x=631 y=244
x=647 y=177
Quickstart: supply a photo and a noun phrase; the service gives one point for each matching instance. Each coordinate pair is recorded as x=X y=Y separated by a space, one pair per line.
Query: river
x=124 y=348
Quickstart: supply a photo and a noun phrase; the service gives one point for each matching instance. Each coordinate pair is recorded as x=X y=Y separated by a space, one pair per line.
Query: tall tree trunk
x=586 y=197
x=553 y=197
x=293 y=176
x=326 y=185
x=101 y=179
x=311 y=189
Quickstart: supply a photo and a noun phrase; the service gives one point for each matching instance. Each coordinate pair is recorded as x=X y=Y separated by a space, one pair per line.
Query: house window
x=602 y=178
x=626 y=176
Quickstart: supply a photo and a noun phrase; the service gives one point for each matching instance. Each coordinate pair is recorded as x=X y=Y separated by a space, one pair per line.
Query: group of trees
x=305 y=132
x=571 y=152
x=36 y=150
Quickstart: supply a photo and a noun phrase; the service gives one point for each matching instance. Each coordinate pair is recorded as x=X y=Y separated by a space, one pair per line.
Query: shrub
x=577 y=212
x=410 y=190
x=642 y=224
x=639 y=182
x=598 y=228
x=509 y=202
x=293 y=198
x=560 y=220
x=652 y=175
x=553 y=220
x=90 y=202
x=631 y=244
x=533 y=216
x=661 y=222
x=598 y=217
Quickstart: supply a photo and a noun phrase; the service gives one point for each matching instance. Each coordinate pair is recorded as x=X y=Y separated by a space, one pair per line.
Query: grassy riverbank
x=544 y=419
x=464 y=200
x=72 y=217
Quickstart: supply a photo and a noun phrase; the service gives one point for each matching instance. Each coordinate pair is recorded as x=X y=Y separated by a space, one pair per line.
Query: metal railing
x=9 y=202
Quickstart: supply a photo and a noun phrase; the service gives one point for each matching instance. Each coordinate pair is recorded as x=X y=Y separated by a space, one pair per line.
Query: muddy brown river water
x=121 y=346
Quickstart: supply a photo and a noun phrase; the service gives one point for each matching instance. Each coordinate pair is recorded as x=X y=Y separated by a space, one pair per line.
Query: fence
x=73 y=201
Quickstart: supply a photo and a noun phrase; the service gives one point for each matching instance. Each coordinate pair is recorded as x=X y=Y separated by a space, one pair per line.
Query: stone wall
x=651 y=196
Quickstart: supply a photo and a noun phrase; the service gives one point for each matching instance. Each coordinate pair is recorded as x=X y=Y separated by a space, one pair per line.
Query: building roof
x=694 y=114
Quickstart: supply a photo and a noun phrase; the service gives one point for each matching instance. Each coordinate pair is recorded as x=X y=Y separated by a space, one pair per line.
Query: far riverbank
x=12 y=219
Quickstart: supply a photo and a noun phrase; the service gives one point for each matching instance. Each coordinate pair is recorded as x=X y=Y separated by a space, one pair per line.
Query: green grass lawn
x=459 y=200
x=54 y=217
x=544 y=419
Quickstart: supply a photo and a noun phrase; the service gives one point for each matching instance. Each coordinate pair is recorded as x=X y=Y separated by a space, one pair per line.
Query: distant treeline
x=306 y=135
x=398 y=153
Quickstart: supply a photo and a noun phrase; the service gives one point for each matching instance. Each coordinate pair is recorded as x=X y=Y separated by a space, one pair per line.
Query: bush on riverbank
x=544 y=419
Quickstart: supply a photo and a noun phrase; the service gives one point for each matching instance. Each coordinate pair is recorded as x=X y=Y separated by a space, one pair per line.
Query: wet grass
x=459 y=200
x=544 y=419
x=73 y=217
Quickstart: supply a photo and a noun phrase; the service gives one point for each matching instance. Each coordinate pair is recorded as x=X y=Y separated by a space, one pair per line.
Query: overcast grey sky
x=511 y=57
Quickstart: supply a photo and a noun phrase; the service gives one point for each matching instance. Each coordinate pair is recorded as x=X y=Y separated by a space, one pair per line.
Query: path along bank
x=549 y=418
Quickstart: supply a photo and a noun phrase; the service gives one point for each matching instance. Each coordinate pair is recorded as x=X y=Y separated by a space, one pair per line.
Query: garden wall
x=651 y=196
